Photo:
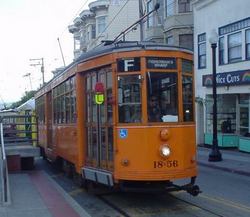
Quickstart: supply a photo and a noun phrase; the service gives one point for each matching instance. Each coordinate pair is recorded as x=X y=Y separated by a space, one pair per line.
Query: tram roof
x=121 y=46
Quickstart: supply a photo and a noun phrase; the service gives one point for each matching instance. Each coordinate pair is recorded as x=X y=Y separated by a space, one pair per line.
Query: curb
x=240 y=172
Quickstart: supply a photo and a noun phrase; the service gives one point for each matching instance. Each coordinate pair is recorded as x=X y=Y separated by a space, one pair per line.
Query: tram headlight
x=165 y=151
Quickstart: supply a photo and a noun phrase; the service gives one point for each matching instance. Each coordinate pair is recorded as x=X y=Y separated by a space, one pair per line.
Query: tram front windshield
x=162 y=96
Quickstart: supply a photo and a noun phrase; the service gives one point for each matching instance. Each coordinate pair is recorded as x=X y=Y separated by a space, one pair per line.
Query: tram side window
x=64 y=102
x=129 y=98
x=40 y=109
x=187 y=91
x=162 y=97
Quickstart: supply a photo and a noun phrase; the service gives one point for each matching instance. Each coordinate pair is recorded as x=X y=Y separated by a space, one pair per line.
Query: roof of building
x=28 y=105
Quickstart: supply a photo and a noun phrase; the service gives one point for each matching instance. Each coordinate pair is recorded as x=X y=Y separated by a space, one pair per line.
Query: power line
x=76 y=14
x=110 y=22
x=156 y=7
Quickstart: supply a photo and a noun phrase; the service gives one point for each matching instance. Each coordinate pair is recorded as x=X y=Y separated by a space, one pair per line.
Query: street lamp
x=214 y=154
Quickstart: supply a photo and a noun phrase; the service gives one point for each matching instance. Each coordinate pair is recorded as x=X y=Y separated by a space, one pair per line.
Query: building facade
x=233 y=70
x=103 y=21
x=171 y=24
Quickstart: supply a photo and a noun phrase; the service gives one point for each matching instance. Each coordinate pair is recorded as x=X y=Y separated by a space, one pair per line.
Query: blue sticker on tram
x=123 y=133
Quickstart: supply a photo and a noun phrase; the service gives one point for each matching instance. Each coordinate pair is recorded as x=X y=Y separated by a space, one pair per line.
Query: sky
x=29 y=30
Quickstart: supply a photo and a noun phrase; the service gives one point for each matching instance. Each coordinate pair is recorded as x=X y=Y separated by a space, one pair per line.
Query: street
x=223 y=194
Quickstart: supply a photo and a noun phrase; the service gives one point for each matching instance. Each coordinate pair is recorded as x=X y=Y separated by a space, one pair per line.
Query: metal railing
x=20 y=129
x=4 y=172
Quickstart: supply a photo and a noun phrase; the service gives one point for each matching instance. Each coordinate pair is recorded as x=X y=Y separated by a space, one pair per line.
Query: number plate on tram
x=168 y=164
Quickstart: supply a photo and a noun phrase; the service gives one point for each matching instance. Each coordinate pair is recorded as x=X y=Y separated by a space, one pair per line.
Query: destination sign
x=161 y=63
x=128 y=64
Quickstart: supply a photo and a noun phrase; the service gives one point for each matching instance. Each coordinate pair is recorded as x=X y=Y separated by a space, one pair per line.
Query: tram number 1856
x=168 y=164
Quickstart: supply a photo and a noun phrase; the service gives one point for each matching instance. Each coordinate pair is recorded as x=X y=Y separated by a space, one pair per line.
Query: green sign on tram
x=99 y=98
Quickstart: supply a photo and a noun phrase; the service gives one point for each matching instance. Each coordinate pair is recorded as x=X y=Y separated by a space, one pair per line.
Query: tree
x=26 y=97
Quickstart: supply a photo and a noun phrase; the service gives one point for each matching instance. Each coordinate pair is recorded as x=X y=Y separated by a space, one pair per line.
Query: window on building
x=202 y=51
x=186 y=41
x=184 y=6
x=169 y=7
x=221 y=51
x=248 y=44
x=150 y=7
x=83 y=36
x=236 y=26
x=93 y=30
x=160 y=13
x=88 y=33
x=234 y=47
x=101 y=24
x=77 y=43
x=170 y=40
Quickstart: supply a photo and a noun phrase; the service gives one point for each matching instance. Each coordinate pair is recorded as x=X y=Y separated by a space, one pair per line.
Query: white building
x=231 y=20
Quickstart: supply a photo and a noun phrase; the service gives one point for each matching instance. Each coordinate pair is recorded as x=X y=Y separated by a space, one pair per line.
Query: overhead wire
x=172 y=4
x=162 y=17
x=110 y=22
x=76 y=14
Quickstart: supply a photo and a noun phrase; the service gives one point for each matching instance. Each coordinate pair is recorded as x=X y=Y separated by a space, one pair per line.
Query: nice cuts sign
x=227 y=78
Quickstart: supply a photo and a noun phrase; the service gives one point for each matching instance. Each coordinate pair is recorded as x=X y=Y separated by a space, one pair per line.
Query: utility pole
x=141 y=22
x=39 y=64
x=28 y=75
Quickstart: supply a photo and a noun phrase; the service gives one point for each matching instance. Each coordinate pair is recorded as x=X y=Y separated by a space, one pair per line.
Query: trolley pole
x=38 y=63
x=61 y=51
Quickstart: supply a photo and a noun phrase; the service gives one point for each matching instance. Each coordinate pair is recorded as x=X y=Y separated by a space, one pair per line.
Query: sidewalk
x=232 y=161
x=35 y=194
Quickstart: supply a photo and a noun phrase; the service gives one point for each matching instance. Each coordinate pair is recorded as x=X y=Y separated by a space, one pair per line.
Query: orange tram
x=122 y=115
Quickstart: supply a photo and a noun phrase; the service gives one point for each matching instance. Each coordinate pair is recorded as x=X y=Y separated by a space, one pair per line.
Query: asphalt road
x=224 y=194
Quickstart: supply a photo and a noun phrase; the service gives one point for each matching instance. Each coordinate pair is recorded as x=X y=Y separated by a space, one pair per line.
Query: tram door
x=99 y=121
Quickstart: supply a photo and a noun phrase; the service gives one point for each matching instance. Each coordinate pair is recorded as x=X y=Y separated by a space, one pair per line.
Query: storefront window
x=226 y=113
x=244 y=114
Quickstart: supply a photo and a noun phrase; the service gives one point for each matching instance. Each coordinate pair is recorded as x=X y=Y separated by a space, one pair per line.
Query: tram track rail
x=170 y=204
x=197 y=206
x=113 y=206
x=123 y=212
